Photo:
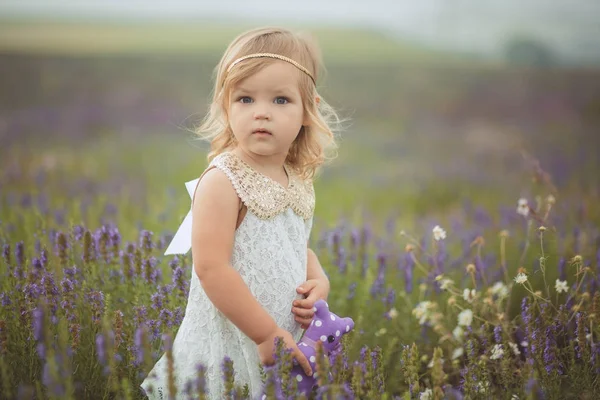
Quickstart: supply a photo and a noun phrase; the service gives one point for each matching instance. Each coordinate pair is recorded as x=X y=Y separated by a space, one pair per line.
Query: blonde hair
x=315 y=142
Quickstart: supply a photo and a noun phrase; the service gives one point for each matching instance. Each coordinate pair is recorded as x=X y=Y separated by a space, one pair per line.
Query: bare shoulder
x=215 y=185
x=214 y=215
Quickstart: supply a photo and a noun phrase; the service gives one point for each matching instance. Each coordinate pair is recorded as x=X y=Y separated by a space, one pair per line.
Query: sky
x=372 y=12
x=569 y=25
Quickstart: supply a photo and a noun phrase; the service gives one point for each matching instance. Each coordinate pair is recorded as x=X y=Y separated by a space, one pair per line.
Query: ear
x=321 y=308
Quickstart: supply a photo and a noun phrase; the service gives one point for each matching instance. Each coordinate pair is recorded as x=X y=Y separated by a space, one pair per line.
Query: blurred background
x=98 y=99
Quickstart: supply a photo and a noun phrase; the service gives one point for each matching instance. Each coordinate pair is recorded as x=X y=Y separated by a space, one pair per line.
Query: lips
x=261 y=131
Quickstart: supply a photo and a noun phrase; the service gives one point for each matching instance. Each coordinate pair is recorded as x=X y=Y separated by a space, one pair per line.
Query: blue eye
x=245 y=100
x=281 y=100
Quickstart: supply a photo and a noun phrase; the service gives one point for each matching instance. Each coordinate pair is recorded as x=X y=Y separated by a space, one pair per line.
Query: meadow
x=459 y=224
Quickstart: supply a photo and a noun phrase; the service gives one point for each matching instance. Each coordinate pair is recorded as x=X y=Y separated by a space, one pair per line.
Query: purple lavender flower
x=6 y=254
x=351 y=291
x=157 y=300
x=55 y=387
x=550 y=360
x=178 y=315
x=179 y=280
x=140 y=314
x=59 y=216
x=149 y=271
x=37 y=265
x=78 y=232
x=174 y=263
x=72 y=272
x=44 y=258
x=39 y=331
x=201 y=378
x=498 y=333
x=100 y=348
x=342 y=261
x=562 y=274
x=378 y=286
x=20 y=254
x=32 y=291
x=354 y=241
x=146 y=241
x=391 y=298
x=138 y=345
x=5 y=299
x=154 y=328
x=452 y=393
x=409 y=265
x=49 y=288
x=67 y=285
x=26 y=200
x=580 y=325
x=166 y=317
x=38 y=324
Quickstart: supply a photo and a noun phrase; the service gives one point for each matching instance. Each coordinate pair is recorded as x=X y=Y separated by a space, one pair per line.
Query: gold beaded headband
x=271 y=55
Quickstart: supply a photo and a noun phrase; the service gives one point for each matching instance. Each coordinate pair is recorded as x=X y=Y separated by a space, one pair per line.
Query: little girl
x=254 y=277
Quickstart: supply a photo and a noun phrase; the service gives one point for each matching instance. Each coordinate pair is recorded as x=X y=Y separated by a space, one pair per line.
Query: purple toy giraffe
x=327 y=328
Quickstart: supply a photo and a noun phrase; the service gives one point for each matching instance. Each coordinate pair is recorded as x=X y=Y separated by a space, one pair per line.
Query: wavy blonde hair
x=315 y=142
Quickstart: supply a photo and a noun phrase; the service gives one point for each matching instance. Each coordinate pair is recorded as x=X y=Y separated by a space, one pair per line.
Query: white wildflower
x=482 y=387
x=514 y=397
x=423 y=311
x=457 y=353
x=381 y=332
x=523 y=207
x=393 y=313
x=550 y=199
x=458 y=332
x=430 y=365
x=521 y=278
x=499 y=289
x=426 y=395
x=497 y=352
x=439 y=233
x=524 y=343
x=465 y=317
x=469 y=295
x=561 y=286
x=514 y=348
x=446 y=283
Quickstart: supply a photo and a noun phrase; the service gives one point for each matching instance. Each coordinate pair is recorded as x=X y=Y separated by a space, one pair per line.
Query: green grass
x=192 y=38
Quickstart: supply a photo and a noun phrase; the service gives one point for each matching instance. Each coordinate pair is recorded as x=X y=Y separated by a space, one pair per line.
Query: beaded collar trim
x=262 y=195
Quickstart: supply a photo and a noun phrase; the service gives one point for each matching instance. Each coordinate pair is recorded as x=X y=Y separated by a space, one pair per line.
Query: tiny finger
x=303 y=362
x=303 y=312
x=306 y=303
x=303 y=321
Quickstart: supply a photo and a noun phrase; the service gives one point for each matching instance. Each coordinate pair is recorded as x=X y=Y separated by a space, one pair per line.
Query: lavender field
x=459 y=226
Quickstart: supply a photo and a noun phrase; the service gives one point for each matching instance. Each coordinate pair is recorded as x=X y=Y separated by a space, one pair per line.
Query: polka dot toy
x=327 y=328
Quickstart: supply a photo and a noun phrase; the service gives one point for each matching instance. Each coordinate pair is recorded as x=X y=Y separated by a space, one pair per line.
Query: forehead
x=276 y=75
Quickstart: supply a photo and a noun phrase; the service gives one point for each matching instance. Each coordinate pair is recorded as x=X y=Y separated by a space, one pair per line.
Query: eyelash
x=277 y=98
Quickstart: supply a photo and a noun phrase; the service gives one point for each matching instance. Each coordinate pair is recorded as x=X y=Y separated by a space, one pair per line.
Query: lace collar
x=264 y=196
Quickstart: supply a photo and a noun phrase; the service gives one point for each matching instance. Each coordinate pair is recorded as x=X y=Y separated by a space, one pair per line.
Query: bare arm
x=215 y=211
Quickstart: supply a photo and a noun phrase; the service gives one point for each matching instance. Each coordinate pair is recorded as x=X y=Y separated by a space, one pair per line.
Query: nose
x=262 y=112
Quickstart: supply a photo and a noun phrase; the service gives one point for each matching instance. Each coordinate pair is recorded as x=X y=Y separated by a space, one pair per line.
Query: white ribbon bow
x=182 y=241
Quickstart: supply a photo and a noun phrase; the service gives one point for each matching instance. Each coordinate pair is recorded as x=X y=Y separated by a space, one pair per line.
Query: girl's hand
x=313 y=290
x=267 y=347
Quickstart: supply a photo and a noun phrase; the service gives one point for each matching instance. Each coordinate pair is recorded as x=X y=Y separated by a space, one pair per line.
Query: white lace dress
x=270 y=254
